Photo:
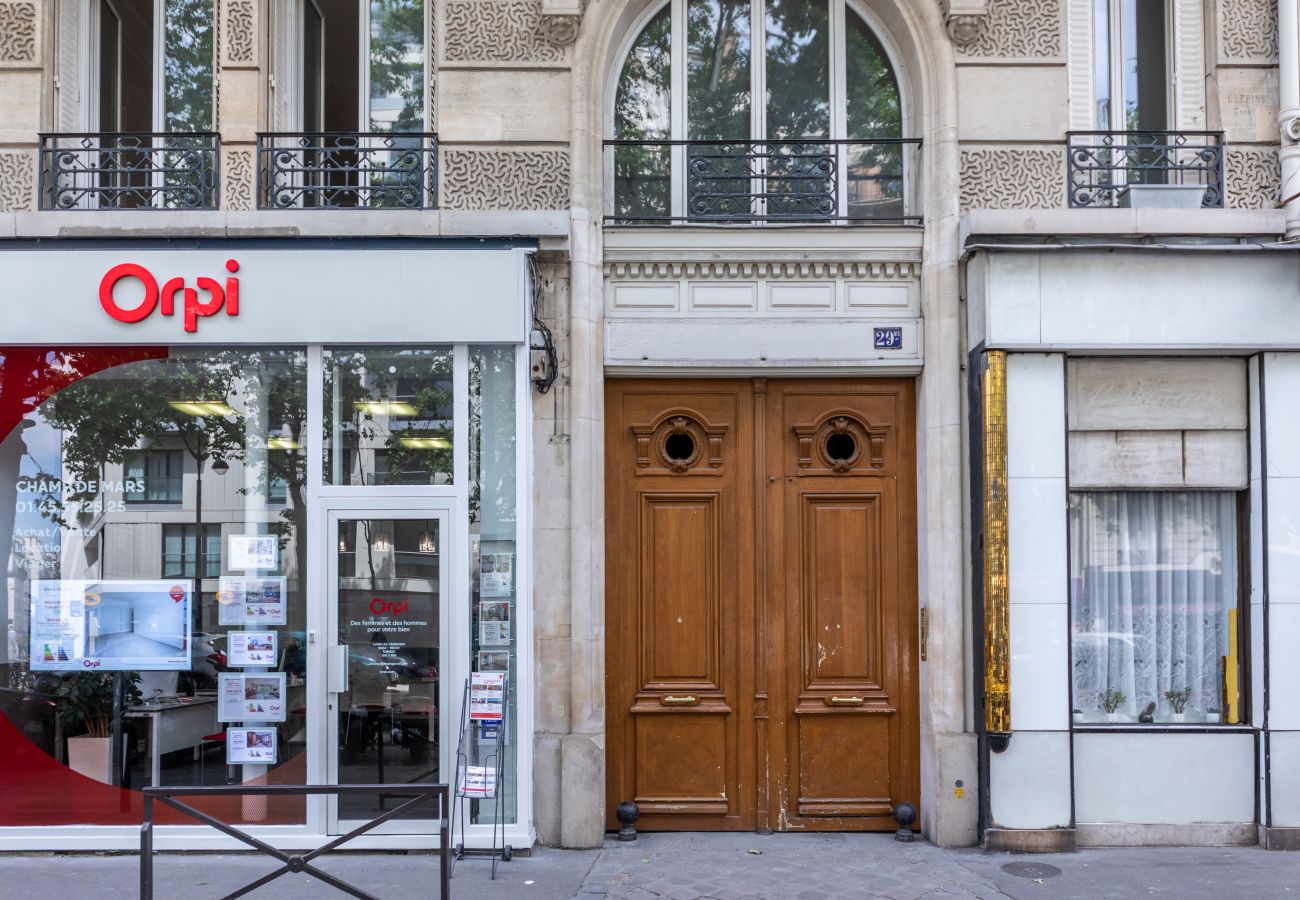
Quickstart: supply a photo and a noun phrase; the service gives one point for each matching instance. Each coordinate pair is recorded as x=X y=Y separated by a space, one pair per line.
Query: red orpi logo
x=392 y=608
x=154 y=297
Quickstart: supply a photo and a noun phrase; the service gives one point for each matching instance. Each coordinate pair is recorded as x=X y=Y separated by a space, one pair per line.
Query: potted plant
x=1214 y=716
x=84 y=704
x=1178 y=700
x=1111 y=700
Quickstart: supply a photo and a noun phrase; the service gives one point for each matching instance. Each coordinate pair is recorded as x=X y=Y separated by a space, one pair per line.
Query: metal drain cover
x=1031 y=870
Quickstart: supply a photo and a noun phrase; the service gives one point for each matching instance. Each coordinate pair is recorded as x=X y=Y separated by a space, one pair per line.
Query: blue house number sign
x=889 y=338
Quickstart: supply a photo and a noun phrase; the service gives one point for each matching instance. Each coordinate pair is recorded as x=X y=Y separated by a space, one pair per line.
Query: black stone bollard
x=627 y=813
x=904 y=815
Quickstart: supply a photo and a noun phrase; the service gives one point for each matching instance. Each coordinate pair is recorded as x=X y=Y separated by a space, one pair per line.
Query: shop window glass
x=179 y=552
x=154 y=476
x=1157 y=629
x=494 y=535
x=98 y=592
x=388 y=416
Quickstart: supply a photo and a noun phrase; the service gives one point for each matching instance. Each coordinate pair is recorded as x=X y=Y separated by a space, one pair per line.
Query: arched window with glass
x=825 y=141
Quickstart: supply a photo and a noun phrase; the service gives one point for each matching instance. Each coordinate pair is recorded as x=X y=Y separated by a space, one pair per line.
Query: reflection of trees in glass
x=800 y=170
x=492 y=454
x=873 y=110
x=104 y=418
x=642 y=106
x=397 y=65
x=717 y=69
x=798 y=69
x=187 y=66
x=642 y=102
x=393 y=407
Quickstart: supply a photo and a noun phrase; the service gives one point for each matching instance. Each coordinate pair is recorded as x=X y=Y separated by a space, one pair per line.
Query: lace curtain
x=1153 y=577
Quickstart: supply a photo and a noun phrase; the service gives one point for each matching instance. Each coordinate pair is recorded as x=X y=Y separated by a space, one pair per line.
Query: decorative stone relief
x=505 y=179
x=966 y=30
x=18 y=24
x=1013 y=178
x=239 y=43
x=1247 y=30
x=497 y=31
x=17 y=178
x=560 y=20
x=1251 y=178
x=1018 y=29
x=965 y=20
x=239 y=181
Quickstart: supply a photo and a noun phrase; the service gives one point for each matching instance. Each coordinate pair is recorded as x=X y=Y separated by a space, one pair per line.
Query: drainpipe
x=1288 y=57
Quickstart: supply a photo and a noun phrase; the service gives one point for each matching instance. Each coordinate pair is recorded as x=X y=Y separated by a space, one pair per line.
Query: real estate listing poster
x=254 y=552
x=251 y=648
x=486 y=695
x=250 y=698
x=110 y=625
x=496 y=574
x=478 y=781
x=250 y=745
x=494 y=623
x=252 y=601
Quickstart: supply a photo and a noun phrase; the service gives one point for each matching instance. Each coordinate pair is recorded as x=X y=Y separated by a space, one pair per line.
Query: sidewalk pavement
x=691 y=866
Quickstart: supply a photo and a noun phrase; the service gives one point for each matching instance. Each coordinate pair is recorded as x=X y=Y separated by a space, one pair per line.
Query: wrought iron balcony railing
x=1103 y=165
x=347 y=170
x=845 y=182
x=136 y=170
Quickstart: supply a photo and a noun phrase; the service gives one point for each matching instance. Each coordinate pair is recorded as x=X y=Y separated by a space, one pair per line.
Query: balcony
x=833 y=182
x=1164 y=168
x=347 y=170
x=140 y=170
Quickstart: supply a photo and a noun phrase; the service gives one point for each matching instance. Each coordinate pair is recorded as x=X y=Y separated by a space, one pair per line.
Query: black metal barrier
x=294 y=862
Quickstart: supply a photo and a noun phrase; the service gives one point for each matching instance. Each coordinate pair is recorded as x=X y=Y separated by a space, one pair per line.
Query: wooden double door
x=761 y=608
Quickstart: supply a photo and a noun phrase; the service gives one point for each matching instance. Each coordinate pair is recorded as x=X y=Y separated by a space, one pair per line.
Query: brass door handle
x=845 y=701
x=688 y=700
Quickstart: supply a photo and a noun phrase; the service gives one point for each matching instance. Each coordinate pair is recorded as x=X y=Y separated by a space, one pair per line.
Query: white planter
x=89 y=756
x=1213 y=718
x=1112 y=716
x=1178 y=717
x=1161 y=196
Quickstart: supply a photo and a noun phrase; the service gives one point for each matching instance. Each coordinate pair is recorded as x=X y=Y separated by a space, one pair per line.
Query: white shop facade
x=1151 y=478
x=282 y=487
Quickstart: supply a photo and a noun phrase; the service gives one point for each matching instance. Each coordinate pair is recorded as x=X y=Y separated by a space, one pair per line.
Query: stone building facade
x=836 y=616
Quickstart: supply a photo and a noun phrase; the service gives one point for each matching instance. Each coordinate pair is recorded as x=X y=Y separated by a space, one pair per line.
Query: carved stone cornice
x=561 y=20
x=741 y=269
x=965 y=20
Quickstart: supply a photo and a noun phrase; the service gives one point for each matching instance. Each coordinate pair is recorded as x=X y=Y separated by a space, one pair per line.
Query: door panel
x=843 y=587
x=761 y=602
x=679 y=616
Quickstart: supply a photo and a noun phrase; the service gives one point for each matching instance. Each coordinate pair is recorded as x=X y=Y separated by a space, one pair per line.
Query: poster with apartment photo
x=496 y=574
x=251 y=698
x=494 y=623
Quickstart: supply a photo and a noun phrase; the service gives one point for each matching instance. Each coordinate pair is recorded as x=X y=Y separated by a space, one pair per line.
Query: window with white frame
x=1133 y=75
x=1157 y=471
x=351 y=65
x=743 y=109
x=136 y=65
x=1153 y=606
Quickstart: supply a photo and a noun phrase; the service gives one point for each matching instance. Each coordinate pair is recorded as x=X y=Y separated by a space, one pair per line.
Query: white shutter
x=73 y=60
x=285 y=108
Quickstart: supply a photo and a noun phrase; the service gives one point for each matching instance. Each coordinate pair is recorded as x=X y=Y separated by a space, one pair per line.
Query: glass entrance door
x=389 y=579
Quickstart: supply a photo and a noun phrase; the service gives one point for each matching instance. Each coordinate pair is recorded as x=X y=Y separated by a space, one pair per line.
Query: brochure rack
x=480 y=770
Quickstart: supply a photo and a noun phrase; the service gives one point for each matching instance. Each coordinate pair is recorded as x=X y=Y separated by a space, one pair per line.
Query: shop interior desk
x=175 y=725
